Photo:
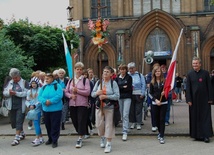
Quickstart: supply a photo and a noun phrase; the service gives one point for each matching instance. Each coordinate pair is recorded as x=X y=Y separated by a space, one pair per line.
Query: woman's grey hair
x=79 y=65
x=14 y=72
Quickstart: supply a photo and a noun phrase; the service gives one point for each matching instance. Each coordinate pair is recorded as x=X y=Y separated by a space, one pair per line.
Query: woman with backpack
x=106 y=94
x=78 y=90
x=50 y=96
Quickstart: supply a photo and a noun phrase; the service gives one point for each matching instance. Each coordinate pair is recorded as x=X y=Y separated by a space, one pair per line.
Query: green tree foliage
x=11 y=56
x=44 y=43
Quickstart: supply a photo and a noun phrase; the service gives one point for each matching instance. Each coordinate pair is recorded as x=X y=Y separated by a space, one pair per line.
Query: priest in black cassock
x=199 y=98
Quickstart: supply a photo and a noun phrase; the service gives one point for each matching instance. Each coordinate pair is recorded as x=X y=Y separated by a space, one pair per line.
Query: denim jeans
x=168 y=109
x=124 y=111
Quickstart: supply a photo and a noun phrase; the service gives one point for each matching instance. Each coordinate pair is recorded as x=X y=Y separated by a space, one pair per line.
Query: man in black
x=199 y=98
x=178 y=83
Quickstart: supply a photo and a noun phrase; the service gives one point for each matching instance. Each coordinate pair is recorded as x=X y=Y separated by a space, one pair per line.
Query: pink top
x=83 y=91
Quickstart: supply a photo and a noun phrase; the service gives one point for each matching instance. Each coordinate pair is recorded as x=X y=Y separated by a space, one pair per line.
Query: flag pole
x=169 y=83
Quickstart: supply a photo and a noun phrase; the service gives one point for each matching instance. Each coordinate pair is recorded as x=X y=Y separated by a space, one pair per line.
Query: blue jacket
x=48 y=92
x=138 y=83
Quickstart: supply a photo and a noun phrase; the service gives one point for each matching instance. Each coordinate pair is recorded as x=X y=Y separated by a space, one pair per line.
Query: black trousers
x=52 y=124
x=160 y=114
x=79 y=117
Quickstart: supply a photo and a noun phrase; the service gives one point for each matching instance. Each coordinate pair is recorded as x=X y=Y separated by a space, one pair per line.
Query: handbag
x=4 y=110
x=32 y=115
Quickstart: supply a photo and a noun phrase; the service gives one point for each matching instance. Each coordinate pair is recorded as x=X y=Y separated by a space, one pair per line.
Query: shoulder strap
x=44 y=87
x=55 y=86
x=112 y=85
x=139 y=75
x=84 y=79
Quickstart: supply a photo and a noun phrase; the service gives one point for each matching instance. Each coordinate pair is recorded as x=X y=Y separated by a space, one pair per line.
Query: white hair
x=55 y=72
x=14 y=72
x=61 y=70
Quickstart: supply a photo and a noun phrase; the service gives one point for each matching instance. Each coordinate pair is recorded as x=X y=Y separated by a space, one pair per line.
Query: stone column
x=120 y=8
x=120 y=46
x=86 y=9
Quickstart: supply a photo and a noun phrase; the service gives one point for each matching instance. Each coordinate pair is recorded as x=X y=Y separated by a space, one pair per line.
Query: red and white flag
x=170 y=78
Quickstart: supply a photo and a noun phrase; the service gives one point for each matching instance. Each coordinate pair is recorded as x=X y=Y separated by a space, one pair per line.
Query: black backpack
x=55 y=86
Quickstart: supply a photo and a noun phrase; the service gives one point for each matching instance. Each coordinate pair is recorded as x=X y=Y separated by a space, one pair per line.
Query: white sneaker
x=124 y=138
x=86 y=136
x=102 y=142
x=107 y=148
x=41 y=139
x=36 y=142
x=29 y=127
x=162 y=140
x=158 y=136
x=132 y=126
x=138 y=127
x=79 y=143
x=154 y=129
x=92 y=132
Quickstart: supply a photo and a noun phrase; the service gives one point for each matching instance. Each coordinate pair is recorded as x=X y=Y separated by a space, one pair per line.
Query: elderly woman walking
x=108 y=94
x=16 y=92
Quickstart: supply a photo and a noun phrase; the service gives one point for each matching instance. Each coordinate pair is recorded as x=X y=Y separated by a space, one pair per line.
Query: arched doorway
x=104 y=62
x=91 y=57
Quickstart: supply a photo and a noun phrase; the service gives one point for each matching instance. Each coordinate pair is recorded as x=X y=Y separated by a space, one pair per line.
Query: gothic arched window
x=158 y=41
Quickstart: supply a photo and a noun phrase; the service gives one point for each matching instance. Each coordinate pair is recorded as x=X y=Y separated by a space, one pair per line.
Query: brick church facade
x=137 y=26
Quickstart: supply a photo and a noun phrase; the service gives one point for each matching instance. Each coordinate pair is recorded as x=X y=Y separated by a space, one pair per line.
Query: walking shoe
x=48 y=142
x=29 y=127
x=54 y=144
x=166 y=123
x=132 y=126
x=158 y=136
x=22 y=136
x=86 y=136
x=162 y=140
x=107 y=148
x=124 y=138
x=15 y=142
x=154 y=129
x=92 y=132
x=138 y=127
x=36 y=142
x=102 y=142
x=41 y=139
x=79 y=143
